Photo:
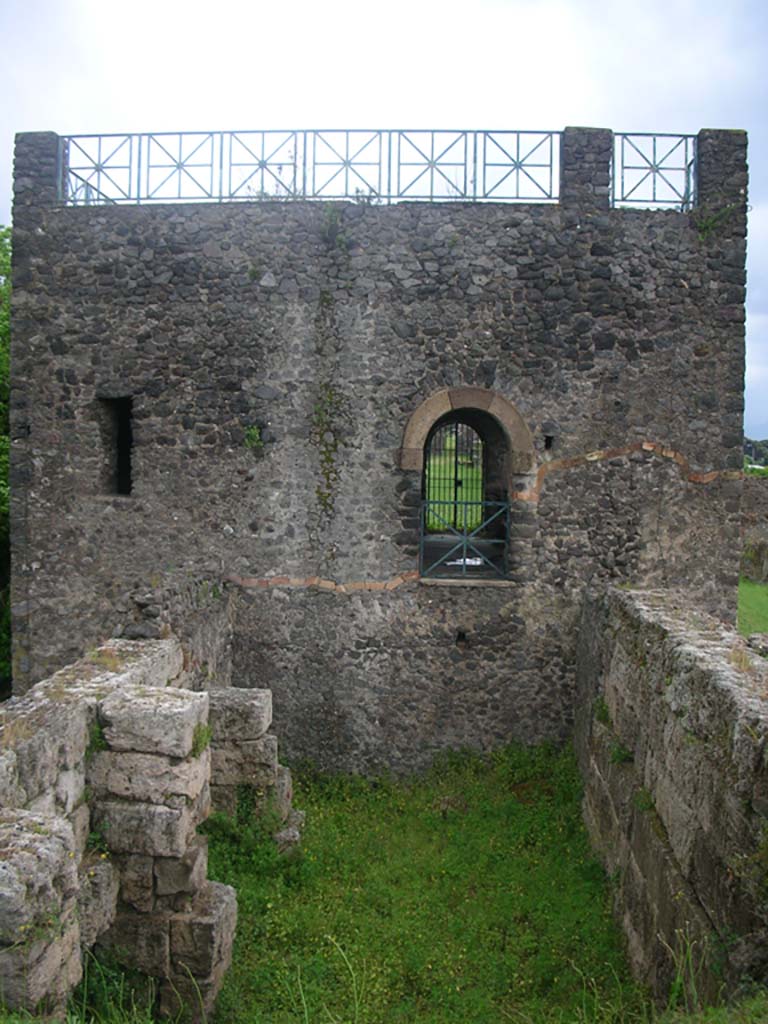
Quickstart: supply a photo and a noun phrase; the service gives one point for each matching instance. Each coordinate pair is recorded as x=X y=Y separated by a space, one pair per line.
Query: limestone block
x=149 y=778
x=201 y=940
x=12 y=793
x=97 y=898
x=183 y=874
x=188 y=1000
x=252 y=762
x=151 y=829
x=80 y=820
x=36 y=754
x=38 y=873
x=140 y=941
x=38 y=976
x=137 y=881
x=69 y=789
x=201 y=808
x=154 y=720
x=239 y=714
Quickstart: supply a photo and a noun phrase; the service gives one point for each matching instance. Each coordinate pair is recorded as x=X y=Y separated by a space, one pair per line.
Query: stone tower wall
x=617 y=336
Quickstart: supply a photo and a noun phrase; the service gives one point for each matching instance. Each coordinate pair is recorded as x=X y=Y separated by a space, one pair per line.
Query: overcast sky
x=85 y=66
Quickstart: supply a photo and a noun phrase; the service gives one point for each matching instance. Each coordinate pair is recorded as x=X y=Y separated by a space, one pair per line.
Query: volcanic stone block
x=154 y=720
x=239 y=714
x=151 y=829
x=149 y=778
x=252 y=763
x=140 y=941
x=201 y=940
x=183 y=874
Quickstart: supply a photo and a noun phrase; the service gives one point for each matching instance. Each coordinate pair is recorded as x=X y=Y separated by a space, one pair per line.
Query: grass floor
x=753 y=607
x=468 y=896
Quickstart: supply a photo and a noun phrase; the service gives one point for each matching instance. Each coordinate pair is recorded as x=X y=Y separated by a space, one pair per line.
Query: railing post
x=36 y=173
x=721 y=175
x=585 y=168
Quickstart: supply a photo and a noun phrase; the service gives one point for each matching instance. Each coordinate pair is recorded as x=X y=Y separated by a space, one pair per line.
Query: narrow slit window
x=117 y=431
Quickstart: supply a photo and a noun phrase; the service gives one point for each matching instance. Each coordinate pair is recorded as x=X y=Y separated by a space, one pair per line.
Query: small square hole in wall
x=116 y=422
x=549 y=440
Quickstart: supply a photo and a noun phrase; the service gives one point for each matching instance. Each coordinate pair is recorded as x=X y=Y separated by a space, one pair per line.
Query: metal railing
x=376 y=166
x=472 y=542
x=654 y=170
x=372 y=166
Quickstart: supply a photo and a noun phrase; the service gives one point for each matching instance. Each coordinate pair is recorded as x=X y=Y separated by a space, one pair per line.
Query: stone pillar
x=35 y=173
x=721 y=176
x=585 y=168
x=34 y=191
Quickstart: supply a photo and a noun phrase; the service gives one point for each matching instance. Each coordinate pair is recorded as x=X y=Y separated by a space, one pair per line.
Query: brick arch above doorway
x=421 y=421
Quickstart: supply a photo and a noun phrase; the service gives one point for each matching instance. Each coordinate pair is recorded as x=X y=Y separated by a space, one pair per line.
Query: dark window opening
x=117 y=433
x=548 y=441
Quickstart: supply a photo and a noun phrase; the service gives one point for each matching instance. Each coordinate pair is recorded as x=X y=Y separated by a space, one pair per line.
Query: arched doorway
x=464 y=510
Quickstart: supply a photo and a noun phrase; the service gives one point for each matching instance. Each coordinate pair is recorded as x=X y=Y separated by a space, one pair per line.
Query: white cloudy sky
x=80 y=66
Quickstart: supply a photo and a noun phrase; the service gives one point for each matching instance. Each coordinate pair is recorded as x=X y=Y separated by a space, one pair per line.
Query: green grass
x=753 y=607
x=441 y=476
x=467 y=896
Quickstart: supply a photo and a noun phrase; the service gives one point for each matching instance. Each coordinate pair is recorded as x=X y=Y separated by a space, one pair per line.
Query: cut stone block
x=137 y=881
x=201 y=940
x=239 y=714
x=149 y=778
x=140 y=941
x=154 y=721
x=38 y=872
x=69 y=789
x=39 y=976
x=186 y=1000
x=183 y=874
x=150 y=829
x=12 y=794
x=97 y=899
x=80 y=820
x=252 y=763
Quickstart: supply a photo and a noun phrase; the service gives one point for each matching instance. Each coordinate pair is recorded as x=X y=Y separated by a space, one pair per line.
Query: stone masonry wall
x=274 y=353
x=105 y=772
x=754 y=514
x=671 y=735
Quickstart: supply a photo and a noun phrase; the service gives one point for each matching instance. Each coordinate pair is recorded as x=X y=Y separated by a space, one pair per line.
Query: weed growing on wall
x=329 y=418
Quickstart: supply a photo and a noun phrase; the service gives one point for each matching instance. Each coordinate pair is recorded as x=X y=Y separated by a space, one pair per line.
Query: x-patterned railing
x=381 y=166
x=655 y=170
x=375 y=166
x=467 y=552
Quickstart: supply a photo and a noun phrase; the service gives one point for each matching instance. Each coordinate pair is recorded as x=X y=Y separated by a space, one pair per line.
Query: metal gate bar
x=466 y=554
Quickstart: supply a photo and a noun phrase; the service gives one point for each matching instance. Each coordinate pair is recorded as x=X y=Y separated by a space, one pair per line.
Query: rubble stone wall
x=105 y=774
x=754 y=514
x=672 y=734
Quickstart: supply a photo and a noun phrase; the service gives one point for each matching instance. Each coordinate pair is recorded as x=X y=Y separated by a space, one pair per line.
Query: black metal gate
x=454 y=473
